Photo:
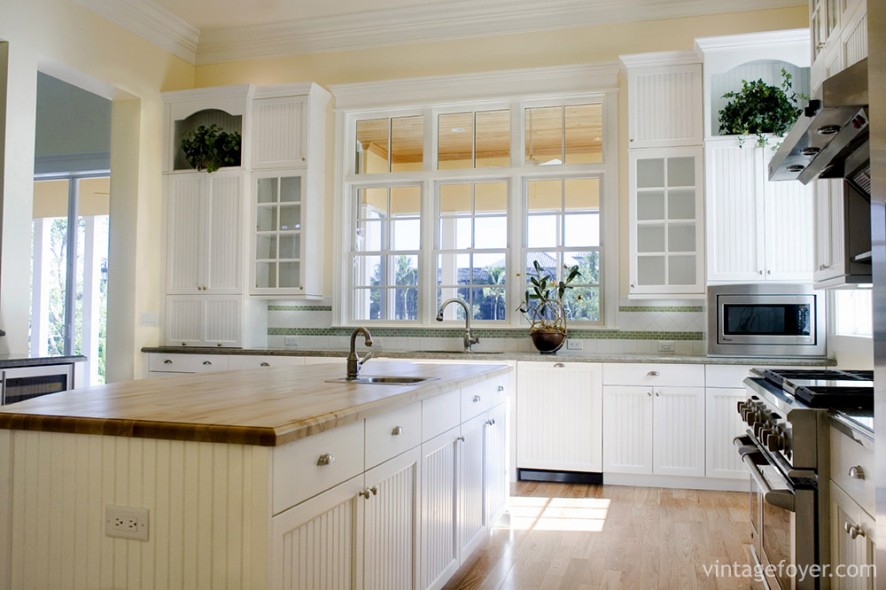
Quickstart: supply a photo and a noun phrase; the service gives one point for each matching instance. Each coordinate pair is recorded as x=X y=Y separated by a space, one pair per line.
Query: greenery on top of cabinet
x=760 y=108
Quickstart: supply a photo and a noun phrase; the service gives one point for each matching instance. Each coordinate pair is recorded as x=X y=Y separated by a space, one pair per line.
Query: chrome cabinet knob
x=853 y=530
x=368 y=492
x=477 y=399
x=500 y=388
x=397 y=431
x=856 y=472
x=326 y=459
x=207 y=363
x=648 y=394
x=460 y=439
x=657 y=394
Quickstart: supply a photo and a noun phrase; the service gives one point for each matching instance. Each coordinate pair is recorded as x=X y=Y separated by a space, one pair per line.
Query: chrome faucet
x=469 y=338
x=355 y=363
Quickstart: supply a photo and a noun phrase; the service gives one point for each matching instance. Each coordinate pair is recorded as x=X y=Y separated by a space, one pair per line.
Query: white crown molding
x=446 y=21
x=152 y=22
x=660 y=58
x=559 y=80
x=770 y=38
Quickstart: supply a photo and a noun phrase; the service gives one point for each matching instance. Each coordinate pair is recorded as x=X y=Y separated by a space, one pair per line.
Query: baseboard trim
x=584 y=477
x=673 y=481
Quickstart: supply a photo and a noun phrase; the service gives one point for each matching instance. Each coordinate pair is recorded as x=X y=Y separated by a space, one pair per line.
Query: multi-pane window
x=563 y=229
x=505 y=185
x=472 y=242
x=389 y=144
x=386 y=246
x=480 y=139
x=565 y=134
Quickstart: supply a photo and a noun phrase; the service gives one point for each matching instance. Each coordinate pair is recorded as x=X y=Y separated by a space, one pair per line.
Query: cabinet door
x=439 y=506
x=472 y=521
x=852 y=545
x=313 y=543
x=559 y=416
x=279 y=132
x=666 y=190
x=390 y=528
x=829 y=242
x=722 y=424
x=735 y=250
x=222 y=320
x=789 y=214
x=184 y=320
x=627 y=429
x=664 y=105
x=278 y=246
x=497 y=477
x=185 y=247
x=678 y=442
x=223 y=222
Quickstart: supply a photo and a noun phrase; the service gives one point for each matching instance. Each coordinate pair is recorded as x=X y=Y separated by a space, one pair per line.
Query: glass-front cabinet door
x=666 y=230
x=279 y=230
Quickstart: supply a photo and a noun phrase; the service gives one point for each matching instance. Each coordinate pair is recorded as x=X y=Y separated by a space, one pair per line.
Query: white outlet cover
x=126 y=522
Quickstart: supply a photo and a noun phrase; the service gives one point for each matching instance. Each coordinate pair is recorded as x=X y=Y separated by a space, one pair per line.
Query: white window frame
x=516 y=90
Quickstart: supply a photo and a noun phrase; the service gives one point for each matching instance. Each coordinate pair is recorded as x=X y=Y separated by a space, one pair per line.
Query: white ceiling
x=211 y=31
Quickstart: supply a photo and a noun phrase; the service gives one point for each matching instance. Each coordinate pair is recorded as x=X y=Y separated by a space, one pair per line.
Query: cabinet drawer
x=477 y=398
x=237 y=361
x=299 y=472
x=852 y=468
x=439 y=414
x=653 y=374
x=392 y=433
x=187 y=363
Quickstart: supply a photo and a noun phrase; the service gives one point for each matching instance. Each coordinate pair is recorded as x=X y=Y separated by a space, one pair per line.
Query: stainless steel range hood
x=830 y=139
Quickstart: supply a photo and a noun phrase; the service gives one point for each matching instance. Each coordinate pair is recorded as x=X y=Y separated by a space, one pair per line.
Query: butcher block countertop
x=268 y=406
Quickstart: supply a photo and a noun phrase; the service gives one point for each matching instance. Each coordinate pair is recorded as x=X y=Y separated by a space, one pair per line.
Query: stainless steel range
x=786 y=451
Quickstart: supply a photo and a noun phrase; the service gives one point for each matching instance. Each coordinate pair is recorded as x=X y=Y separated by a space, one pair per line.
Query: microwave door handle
x=778 y=498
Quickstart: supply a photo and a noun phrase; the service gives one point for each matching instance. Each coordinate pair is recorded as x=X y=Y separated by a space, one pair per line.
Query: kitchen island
x=267 y=478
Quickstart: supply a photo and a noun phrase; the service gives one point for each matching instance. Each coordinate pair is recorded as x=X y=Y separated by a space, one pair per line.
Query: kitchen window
x=458 y=200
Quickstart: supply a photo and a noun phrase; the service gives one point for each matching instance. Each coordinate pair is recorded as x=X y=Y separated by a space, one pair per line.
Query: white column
x=91 y=312
x=40 y=288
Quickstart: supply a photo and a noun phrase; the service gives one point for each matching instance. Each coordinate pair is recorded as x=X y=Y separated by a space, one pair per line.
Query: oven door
x=785 y=523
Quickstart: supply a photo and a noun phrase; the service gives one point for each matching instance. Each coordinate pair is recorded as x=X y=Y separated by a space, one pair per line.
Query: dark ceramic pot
x=547 y=342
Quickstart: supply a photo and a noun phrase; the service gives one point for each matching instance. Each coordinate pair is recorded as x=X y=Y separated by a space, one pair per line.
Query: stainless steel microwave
x=777 y=320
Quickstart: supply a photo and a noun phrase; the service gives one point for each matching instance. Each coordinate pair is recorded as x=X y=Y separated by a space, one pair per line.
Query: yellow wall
x=70 y=42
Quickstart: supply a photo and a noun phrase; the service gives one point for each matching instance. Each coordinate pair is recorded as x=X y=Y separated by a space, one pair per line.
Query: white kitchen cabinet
x=666 y=230
x=289 y=126
x=238 y=362
x=472 y=471
x=204 y=239
x=559 y=416
x=653 y=419
x=439 y=505
x=839 y=37
x=287 y=236
x=215 y=320
x=723 y=391
x=664 y=99
x=852 y=544
x=757 y=230
x=186 y=363
x=496 y=476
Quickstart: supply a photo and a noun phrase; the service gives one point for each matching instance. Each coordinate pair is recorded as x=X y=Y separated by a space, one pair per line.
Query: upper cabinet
x=289 y=127
x=839 y=30
x=664 y=99
x=666 y=174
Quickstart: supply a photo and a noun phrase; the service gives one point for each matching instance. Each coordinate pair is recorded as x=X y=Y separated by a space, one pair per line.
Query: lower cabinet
x=410 y=521
x=559 y=416
x=852 y=542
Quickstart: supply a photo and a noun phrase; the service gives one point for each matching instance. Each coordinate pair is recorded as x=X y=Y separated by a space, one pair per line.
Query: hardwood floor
x=584 y=537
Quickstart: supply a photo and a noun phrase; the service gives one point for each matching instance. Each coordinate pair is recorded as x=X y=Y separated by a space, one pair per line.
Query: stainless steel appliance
x=786 y=451
x=776 y=320
x=21 y=383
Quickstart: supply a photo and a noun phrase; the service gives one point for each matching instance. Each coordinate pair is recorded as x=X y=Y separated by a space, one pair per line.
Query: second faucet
x=469 y=338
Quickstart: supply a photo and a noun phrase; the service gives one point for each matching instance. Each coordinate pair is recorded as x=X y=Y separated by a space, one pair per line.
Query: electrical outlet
x=126 y=522
x=574 y=344
x=665 y=346
x=290 y=341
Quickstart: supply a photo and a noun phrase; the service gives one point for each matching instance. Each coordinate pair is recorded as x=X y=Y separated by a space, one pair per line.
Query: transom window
x=504 y=185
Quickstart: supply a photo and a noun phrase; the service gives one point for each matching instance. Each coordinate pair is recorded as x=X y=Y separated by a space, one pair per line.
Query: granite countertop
x=561 y=356
x=9 y=361
x=268 y=406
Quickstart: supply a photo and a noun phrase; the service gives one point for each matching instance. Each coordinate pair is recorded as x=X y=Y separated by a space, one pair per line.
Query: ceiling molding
x=152 y=22
x=660 y=58
x=441 y=21
x=560 y=80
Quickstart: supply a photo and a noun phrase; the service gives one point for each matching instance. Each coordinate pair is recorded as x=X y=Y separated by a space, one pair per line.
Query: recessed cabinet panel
x=279 y=132
x=664 y=104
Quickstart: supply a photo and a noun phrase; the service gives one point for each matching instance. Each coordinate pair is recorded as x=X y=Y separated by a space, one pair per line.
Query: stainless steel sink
x=384 y=380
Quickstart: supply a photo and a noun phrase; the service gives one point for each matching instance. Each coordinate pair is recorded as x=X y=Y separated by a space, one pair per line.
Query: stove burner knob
x=741 y=407
x=774 y=442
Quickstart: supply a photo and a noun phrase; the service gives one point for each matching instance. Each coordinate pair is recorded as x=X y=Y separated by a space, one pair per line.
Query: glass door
x=69 y=268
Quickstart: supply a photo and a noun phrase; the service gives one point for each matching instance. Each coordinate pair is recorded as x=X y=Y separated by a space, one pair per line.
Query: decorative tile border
x=660 y=309
x=491 y=334
x=299 y=308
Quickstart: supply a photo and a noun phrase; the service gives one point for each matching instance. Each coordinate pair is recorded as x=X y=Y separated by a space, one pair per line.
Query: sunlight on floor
x=555 y=514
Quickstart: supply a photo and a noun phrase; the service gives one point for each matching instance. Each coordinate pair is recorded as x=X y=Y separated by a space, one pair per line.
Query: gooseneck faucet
x=469 y=338
x=355 y=363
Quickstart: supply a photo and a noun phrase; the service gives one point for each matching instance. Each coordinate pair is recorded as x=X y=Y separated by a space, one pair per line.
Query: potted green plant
x=760 y=108
x=210 y=148
x=542 y=305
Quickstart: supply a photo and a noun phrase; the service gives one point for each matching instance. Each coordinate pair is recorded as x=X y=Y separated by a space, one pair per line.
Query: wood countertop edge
x=244 y=435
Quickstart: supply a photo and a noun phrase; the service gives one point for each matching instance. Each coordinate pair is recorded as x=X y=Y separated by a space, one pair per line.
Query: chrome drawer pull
x=856 y=472
x=397 y=431
x=265 y=365
x=326 y=459
x=167 y=362
x=559 y=366
x=652 y=374
x=460 y=439
x=207 y=363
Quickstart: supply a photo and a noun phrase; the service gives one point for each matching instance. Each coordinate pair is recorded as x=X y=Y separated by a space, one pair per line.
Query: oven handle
x=779 y=498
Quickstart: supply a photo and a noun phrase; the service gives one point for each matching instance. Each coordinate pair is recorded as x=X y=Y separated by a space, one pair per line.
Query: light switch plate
x=665 y=346
x=574 y=344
